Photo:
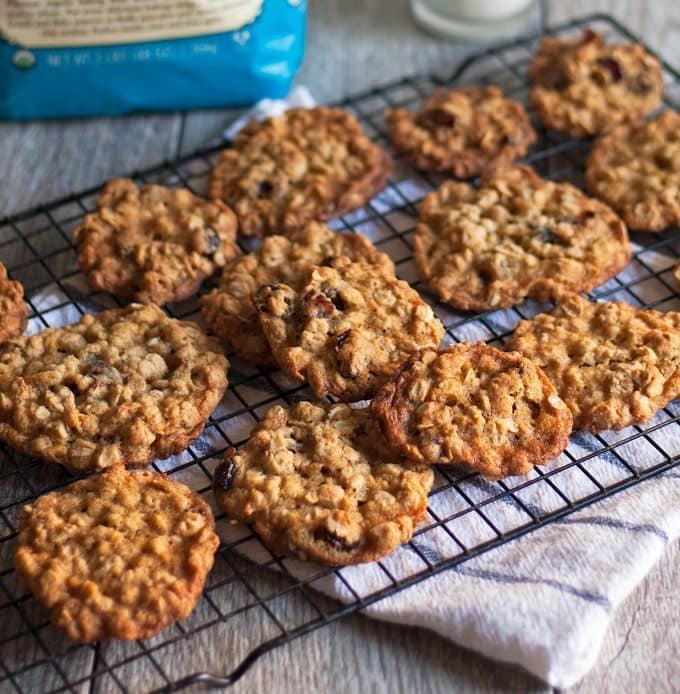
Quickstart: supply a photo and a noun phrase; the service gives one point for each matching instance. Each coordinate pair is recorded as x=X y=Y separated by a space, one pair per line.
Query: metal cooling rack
x=246 y=610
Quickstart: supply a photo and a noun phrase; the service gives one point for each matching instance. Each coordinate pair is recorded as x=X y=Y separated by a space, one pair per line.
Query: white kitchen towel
x=544 y=600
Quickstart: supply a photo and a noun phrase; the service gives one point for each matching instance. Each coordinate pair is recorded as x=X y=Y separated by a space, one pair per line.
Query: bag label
x=65 y=23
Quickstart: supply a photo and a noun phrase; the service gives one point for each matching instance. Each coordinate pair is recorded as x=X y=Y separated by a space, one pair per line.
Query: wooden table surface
x=355 y=44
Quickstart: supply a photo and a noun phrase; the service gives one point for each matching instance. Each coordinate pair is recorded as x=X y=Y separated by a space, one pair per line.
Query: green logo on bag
x=24 y=60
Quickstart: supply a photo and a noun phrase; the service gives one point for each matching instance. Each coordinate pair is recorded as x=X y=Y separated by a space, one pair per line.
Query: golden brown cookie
x=584 y=86
x=119 y=555
x=614 y=365
x=13 y=309
x=154 y=244
x=125 y=386
x=636 y=169
x=495 y=412
x=229 y=311
x=315 y=481
x=514 y=237
x=462 y=131
x=307 y=164
x=347 y=329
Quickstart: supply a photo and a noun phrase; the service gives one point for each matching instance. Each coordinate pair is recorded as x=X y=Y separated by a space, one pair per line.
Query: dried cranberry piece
x=324 y=303
x=614 y=68
x=103 y=374
x=333 y=540
x=437 y=118
x=225 y=472
x=264 y=189
x=322 y=306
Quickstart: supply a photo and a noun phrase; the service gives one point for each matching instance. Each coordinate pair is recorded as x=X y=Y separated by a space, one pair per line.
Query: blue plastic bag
x=256 y=59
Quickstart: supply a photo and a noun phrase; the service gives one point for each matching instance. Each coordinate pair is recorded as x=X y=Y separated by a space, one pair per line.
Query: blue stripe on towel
x=586 y=595
x=618 y=524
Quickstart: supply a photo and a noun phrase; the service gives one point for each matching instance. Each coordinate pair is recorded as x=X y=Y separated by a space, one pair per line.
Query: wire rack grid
x=247 y=610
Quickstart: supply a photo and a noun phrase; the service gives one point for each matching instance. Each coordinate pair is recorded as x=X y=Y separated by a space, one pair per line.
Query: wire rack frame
x=467 y=515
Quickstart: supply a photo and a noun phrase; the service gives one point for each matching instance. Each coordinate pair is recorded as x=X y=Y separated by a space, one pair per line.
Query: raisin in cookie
x=124 y=386
x=614 y=365
x=584 y=87
x=307 y=164
x=229 y=311
x=118 y=555
x=347 y=329
x=462 y=131
x=315 y=481
x=494 y=411
x=636 y=169
x=516 y=236
x=13 y=309
x=154 y=244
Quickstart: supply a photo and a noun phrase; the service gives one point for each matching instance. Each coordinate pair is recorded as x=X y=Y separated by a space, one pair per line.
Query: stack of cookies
x=339 y=480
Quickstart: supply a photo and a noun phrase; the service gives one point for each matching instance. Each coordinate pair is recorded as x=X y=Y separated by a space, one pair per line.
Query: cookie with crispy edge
x=154 y=244
x=514 y=237
x=462 y=131
x=492 y=411
x=613 y=364
x=347 y=329
x=118 y=555
x=635 y=168
x=124 y=386
x=585 y=86
x=316 y=481
x=306 y=164
x=13 y=309
x=229 y=311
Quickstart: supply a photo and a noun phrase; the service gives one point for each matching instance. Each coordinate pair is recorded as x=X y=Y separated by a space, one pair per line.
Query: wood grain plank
x=658 y=23
x=43 y=161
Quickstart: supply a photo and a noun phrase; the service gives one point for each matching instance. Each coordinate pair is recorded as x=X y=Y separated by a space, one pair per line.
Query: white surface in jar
x=478 y=10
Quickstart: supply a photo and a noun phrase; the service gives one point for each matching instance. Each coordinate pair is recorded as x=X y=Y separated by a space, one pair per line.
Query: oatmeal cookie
x=13 y=309
x=125 y=386
x=307 y=164
x=462 y=131
x=636 y=169
x=154 y=244
x=516 y=236
x=472 y=404
x=584 y=87
x=229 y=311
x=118 y=555
x=613 y=364
x=347 y=330
x=315 y=481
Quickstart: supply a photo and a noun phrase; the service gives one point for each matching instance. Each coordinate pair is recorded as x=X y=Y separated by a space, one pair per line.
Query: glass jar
x=473 y=20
